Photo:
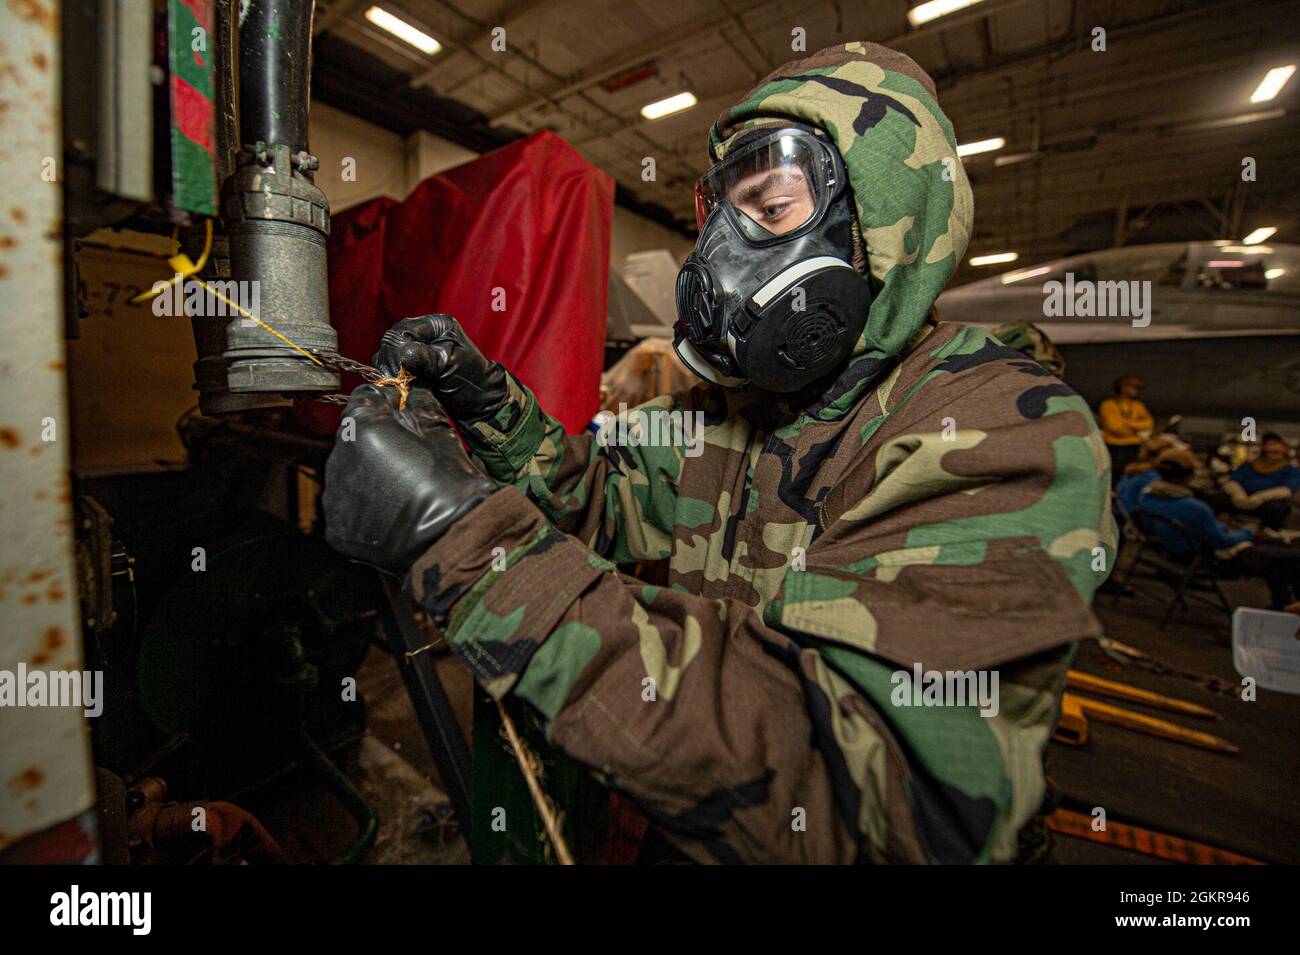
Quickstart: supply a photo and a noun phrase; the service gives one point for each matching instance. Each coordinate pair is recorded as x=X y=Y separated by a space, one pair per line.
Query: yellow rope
x=246 y=313
x=184 y=269
x=527 y=764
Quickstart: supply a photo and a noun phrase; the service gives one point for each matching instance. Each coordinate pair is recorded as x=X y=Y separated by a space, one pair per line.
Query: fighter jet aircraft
x=1212 y=327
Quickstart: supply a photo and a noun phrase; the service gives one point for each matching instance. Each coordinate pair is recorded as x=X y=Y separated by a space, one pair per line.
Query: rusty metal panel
x=45 y=768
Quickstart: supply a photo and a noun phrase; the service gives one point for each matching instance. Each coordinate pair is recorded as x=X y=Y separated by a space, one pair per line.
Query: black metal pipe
x=275 y=73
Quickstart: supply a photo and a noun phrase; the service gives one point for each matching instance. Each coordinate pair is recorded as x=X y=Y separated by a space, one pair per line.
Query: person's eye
x=773 y=209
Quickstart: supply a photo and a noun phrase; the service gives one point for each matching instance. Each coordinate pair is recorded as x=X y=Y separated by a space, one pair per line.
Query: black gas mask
x=769 y=295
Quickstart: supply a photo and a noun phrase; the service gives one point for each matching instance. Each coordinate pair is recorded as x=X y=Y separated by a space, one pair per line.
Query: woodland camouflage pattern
x=1032 y=342
x=944 y=499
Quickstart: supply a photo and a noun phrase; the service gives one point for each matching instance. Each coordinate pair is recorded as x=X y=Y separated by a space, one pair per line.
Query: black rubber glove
x=436 y=350
x=401 y=480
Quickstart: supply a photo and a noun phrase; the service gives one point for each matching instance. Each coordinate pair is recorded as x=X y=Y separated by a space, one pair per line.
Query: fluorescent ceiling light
x=1272 y=274
x=403 y=30
x=665 y=107
x=1014 y=158
x=934 y=9
x=1225 y=263
x=1238 y=120
x=995 y=258
x=1259 y=235
x=1023 y=274
x=980 y=146
x=1248 y=249
x=1272 y=83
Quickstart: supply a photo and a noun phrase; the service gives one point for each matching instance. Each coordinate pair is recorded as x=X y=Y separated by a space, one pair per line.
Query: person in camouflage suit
x=943 y=502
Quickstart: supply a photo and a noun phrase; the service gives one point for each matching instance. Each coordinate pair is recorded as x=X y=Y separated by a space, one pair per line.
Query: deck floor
x=1248 y=802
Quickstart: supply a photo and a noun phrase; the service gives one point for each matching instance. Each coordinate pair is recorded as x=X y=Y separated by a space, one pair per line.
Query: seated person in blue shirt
x=1169 y=497
x=1143 y=471
x=1131 y=487
x=1267 y=485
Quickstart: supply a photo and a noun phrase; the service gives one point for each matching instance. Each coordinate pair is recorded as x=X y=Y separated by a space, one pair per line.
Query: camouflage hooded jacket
x=942 y=506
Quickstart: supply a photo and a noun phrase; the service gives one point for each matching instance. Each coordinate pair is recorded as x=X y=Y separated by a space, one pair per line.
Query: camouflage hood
x=914 y=203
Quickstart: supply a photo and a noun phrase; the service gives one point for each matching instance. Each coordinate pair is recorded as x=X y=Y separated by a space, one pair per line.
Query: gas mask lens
x=776 y=183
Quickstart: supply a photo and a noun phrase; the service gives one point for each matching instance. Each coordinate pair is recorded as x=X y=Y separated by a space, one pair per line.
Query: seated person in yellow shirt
x=1125 y=424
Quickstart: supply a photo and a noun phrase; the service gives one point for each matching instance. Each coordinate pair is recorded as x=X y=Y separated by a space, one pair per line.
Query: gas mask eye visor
x=774 y=187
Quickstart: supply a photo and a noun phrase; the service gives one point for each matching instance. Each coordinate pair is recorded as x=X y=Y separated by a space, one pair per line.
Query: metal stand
x=432 y=707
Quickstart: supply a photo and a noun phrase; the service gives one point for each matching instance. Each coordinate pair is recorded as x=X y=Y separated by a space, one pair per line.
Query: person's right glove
x=436 y=350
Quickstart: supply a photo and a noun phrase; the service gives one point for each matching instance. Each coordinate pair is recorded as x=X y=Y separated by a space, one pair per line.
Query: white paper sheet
x=1266 y=646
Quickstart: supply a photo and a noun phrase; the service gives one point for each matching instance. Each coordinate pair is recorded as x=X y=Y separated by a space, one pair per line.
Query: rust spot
x=54 y=637
x=26 y=781
x=7 y=242
x=35 y=449
x=56 y=366
x=30 y=598
x=18 y=215
x=40 y=658
x=9 y=438
x=38 y=575
x=55 y=593
x=34 y=12
x=42 y=62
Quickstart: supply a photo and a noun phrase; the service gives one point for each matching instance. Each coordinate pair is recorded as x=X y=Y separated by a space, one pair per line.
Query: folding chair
x=1130 y=535
x=1128 y=526
x=1196 y=578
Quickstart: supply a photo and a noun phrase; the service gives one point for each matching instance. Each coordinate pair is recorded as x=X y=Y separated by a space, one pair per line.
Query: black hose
x=275 y=73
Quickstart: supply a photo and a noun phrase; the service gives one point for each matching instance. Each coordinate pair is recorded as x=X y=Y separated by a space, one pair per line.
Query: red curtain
x=514 y=244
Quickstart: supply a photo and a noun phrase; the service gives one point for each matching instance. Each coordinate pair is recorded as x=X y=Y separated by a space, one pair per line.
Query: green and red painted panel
x=192 y=62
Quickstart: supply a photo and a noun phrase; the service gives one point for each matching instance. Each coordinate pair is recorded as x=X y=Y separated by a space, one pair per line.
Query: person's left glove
x=396 y=480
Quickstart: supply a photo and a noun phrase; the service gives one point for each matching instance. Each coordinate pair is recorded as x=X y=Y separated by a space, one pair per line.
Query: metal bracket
x=433 y=709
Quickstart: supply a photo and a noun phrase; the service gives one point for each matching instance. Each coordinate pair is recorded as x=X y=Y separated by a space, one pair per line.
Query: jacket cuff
x=498 y=582
x=508 y=440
